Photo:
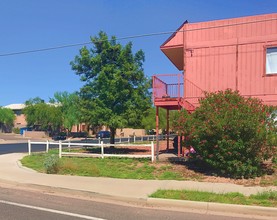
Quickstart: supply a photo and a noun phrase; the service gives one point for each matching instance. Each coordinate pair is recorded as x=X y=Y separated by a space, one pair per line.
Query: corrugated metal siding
x=231 y=56
x=212 y=69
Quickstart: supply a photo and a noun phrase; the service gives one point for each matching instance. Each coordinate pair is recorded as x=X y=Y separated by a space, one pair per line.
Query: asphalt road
x=19 y=148
x=23 y=204
x=13 y=148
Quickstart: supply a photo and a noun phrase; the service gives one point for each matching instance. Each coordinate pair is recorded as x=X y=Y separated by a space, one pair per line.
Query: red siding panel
x=222 y=54
x=230 y=54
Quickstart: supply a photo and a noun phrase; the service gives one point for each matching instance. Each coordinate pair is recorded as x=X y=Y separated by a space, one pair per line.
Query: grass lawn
x=268 y=199
x=109 y=167
x=137 y=169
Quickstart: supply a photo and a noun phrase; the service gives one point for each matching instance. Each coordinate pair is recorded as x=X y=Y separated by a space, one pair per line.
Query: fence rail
x=102 y=154
x=135 y=139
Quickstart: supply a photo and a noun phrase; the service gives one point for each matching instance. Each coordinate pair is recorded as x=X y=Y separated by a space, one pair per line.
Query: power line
x=44 y=49
x=131 y=37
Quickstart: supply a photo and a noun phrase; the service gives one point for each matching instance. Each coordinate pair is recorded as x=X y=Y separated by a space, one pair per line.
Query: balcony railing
x=168 y=86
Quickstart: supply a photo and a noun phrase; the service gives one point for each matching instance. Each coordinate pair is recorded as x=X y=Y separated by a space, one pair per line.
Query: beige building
x=20 y=120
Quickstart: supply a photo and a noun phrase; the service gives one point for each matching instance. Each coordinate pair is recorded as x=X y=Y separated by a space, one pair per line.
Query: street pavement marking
x=51 y=210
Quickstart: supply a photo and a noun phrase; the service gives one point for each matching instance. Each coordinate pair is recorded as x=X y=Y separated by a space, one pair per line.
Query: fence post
x=60 y=149
x=134 y=138
x=29 y=147
x=102 y=150
x=69 y=145
x=129 y=139
x=152 y=152
x=99 y=140
x=47 y=146
x=120 y=139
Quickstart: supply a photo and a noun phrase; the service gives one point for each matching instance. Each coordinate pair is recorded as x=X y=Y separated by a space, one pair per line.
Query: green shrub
x=232 y=134
x=52 y=164
x=16 y=130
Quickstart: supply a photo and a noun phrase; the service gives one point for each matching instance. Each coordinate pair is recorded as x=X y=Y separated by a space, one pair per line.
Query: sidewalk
x=11 y=170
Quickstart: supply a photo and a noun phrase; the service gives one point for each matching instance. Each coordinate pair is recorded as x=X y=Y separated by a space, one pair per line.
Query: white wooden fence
x=101 y=145
x=135 y=139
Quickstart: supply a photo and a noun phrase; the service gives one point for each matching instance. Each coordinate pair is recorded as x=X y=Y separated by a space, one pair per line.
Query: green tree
x=7 y=118
x=42 y=116
x=116 y=91
x=149 y=121
x=33 y=101
x=69 y=103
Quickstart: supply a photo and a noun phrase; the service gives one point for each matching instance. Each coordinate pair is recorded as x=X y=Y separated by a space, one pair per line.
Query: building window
x=17 y=112
x=271 y=60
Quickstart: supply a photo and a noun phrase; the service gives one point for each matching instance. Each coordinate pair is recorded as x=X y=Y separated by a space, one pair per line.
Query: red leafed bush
x=230 y=133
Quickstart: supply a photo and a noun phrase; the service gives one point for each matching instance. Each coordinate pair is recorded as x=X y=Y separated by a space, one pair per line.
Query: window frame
x=266 y=47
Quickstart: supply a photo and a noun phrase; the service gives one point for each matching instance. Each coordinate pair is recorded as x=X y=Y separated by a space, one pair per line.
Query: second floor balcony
x=172 y=91
x=168 y=90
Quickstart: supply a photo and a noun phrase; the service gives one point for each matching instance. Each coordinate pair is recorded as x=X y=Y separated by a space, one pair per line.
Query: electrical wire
x=131 y=37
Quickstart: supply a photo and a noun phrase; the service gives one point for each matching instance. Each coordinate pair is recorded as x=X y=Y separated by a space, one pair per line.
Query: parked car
x=103 y=134
x=58 y=137
x=82 y=134
x=151 y=132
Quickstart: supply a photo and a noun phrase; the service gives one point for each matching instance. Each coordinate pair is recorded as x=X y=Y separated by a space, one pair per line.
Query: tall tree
x=116 y=91
x=69 y=103
x=43 y=116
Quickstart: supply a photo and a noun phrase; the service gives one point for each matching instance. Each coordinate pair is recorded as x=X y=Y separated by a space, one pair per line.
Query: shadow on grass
x=120 y=150
x=195 y=165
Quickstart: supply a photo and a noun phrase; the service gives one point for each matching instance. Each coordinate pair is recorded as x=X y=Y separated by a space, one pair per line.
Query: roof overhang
x=175 y=55
x=173 y=47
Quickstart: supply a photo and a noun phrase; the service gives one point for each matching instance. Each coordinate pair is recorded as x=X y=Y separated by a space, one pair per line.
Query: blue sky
x=34 y=24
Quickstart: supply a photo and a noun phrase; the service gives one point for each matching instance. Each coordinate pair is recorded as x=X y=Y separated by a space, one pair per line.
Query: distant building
x=20 y=120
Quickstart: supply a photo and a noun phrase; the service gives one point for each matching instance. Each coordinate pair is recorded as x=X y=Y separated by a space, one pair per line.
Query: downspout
x=237 y=64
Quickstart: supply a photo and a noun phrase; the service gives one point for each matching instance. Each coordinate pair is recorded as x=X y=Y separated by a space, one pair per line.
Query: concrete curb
x=19 y=164
x=212 y=208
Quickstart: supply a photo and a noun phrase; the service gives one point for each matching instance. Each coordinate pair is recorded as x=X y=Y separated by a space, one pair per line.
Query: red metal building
x=239 y=53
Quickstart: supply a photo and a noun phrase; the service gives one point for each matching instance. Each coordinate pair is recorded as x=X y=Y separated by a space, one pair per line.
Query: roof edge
x=174 y=34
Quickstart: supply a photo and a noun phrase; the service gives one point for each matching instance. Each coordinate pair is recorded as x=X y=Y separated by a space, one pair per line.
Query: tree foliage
x=42 y=116
x=116 y=92
x=149 y=121
x=230 y=133
x=33 y=101
x=69 y=104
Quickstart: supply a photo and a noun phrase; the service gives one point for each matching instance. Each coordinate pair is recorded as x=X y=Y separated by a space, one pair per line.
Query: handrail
x=192 y=91
x=161 y=89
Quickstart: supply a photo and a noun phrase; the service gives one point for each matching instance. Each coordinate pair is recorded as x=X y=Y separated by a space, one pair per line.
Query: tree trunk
x=113 y=130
